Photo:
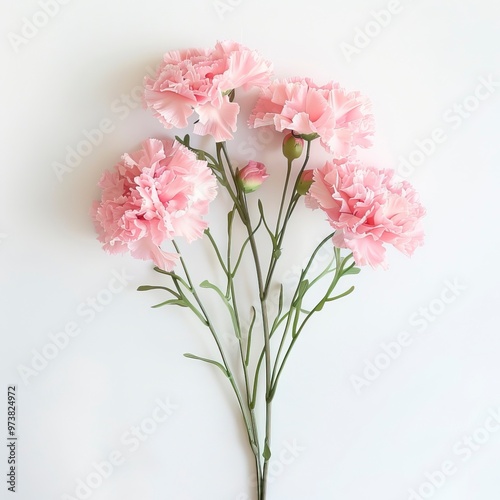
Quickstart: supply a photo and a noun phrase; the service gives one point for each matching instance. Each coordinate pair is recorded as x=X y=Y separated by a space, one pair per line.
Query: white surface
x=377 y=444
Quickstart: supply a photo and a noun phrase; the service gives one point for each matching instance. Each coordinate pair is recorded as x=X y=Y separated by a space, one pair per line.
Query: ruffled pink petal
x=173 y=110
x=193 y=78
x=217 y=122
x=366 y=250
x=245 y=69
x=155 y=194
x=368 y=209
x=342 y=120
x=145 y=249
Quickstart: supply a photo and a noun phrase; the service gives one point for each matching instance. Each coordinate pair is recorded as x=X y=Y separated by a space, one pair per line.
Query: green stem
x=243 y=213
x=283 y=196
x=263 y=287
x=267 y=350
x=220 y=147
x=295 y=335
x=280 y=232
x=282 y=343
x=251 y=437
x=243 y=358
x=216 y=250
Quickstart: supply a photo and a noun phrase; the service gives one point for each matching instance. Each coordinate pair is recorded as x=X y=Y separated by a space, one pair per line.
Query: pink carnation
x=341 y=119
x=369 y=209
x=200 y=80
x=155 y=194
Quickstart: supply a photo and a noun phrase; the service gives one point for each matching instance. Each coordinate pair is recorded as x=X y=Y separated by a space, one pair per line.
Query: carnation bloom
x=155 y=194
x=251 y=176
x=341 y=119
x=200 y=80
x=368 y=208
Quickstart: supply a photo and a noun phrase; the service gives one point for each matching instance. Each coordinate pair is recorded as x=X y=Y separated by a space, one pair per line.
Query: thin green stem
x=340 y=265
x=228 y=161
x=216 y=250
x=240 y=201
x=294 y=309
x=249 y=337
x=282 y=343
x=283 y=196
x=220 y=147
x=245 y=243
x=230 y=273
x=280 y=232
x=267 y=348
x=251 y=437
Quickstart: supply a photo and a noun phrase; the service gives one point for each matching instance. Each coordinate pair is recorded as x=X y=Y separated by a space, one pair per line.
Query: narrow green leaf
x=184 y=141
x=172 y=302
x=280 y=300
x=271 y=234
x=320 y=306
x=354 y=270
x=162 y=271
x=313 y=255
x=249 y=336
x=206 y=360
x=260 y=206
x=351 y=270
x=245 y=243
x=175 y=277
x=234 y=319
x=331 y=299
x=303 y=287
x=343 y=264
x=146 y=288
x=297 y=305
x=215 y=168
x=230 y=218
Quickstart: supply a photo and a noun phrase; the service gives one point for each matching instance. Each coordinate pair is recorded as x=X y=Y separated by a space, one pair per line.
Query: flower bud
x=305 y=181
x=251 y=176
x=292 y=147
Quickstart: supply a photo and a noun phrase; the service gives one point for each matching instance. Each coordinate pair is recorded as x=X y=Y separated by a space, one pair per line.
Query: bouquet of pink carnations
x=160 y=194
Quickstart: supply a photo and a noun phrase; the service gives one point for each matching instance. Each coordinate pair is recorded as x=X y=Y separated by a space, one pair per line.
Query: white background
x=377 y=443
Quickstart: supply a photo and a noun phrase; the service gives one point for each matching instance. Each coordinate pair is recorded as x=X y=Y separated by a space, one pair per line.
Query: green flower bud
x=251 y=176
x=305 y=182
x=292 y=147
